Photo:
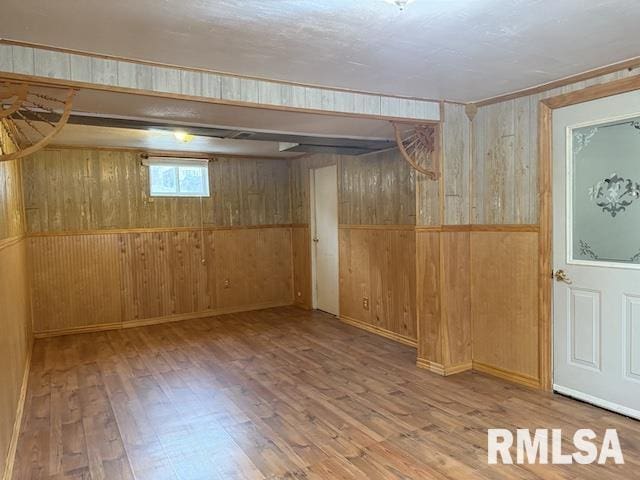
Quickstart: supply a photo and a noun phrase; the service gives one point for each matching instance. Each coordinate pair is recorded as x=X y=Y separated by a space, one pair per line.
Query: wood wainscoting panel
x=15 y=344
x=256 y=263
x=504 y=304
x=378 y=279
x=428 y=296
x=301 y=258
x=163 y=274
x=97 y=281
x=456 y=299
x=75 y=281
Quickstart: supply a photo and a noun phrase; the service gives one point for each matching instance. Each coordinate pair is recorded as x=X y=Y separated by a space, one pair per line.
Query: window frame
x=176 y=163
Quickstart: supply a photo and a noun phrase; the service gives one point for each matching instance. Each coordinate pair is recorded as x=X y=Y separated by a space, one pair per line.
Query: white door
x=324 y=234
x=596 y=245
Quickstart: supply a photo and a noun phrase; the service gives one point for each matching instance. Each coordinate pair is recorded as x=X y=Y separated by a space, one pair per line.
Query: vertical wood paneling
x=11 y=214
x=379 y=265
x=123 y=73
x=505 y=157
x=15 y=339
x=257 y=263
x=299 y=183
x=428 y=296
x=86 y=280
x=504 y=303
x=376 y=189
x=15 y=315
x=455 y=292
x=76 y=281
x=162 y=274
x=428 y=211
x=301 y=252
x=79 y=189
x=456 y=163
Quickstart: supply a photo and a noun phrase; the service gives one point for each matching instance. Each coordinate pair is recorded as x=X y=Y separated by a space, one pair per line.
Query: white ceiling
x=462 y=50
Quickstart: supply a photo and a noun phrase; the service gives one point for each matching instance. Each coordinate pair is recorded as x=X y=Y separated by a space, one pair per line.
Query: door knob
x=561 y=276
x=316 y=239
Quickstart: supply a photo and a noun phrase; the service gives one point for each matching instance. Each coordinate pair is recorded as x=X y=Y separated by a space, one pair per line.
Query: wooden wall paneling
x=299 y=181
x=100 y=72
x=428 y=287
x=248 y=192
x=11 y=211
x=456 y=163
x=455 y=292
x=99 y=281
x=301 y=253
x=163 y=275
x=506 y=166
x=15 y=312
x=15 y=345
x=428 y=208
x=376 y=189
x=355 y=282
x=504 y=304
x=83 y=189
x=392 y=274
x=379 y=264
x=75 y=281
x=505 y=153
x=257 y=265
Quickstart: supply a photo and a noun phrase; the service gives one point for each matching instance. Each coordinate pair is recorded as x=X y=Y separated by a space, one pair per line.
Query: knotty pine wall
x=104 y=254
x=15 y=319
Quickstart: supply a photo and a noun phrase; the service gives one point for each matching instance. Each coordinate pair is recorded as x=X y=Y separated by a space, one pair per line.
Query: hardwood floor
x=278 y=394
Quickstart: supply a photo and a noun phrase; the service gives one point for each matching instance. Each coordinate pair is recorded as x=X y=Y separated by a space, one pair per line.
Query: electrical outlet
x=227 y=283
x=299 y=294
x=365 y=303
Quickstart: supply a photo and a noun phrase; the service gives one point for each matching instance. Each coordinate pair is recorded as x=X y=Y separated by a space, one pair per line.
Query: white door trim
x=312 y=230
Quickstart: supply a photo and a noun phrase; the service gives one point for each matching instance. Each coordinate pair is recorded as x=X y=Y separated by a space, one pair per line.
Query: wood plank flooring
x=277 y=394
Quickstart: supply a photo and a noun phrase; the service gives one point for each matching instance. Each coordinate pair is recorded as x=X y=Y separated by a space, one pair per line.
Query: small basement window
x=178 y=177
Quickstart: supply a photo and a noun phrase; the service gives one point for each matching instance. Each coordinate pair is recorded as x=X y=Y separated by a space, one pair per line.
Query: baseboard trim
x=379 y=331
x=15 y=434
x=159 y=320
x=441 y=369
x=522 y=379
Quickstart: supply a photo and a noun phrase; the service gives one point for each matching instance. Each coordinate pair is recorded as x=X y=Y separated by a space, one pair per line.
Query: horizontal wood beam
x=82 y=70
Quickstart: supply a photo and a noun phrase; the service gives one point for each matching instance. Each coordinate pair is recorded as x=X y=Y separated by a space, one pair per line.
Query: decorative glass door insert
x=603 y=193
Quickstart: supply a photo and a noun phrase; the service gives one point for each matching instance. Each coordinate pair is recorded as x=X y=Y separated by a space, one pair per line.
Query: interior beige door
x=596 y=209
x=325 y=238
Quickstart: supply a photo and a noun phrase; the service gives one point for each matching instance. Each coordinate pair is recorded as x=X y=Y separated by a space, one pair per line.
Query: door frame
x=545 y=181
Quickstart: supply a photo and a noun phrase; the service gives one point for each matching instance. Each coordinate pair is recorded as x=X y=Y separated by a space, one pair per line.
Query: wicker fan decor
x=30 y=116
x=419 y=145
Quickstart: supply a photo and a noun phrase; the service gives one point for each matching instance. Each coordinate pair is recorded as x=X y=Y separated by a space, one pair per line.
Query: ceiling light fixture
x=401 y=4
x=183 y=136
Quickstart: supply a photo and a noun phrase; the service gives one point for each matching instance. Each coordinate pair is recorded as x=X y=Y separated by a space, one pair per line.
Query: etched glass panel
x=604 y=193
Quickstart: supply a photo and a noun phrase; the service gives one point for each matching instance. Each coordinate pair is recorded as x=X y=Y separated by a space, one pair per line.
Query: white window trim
x=178 y=162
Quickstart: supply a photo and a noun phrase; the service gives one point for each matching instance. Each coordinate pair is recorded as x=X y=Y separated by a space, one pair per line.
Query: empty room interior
x=341 y=239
